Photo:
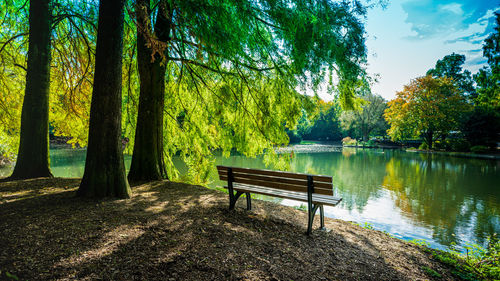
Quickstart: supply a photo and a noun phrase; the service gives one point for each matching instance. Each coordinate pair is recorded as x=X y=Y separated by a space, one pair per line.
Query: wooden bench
x=316 y=190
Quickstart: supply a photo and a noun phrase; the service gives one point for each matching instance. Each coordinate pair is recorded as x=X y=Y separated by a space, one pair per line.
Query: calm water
x=412 y=196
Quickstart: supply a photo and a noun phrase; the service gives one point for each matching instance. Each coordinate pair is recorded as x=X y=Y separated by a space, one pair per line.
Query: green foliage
x=233 y=71
x=451 y=66
x=482 y=126
x=293 y=136
x=425 y=107
x=479 y=149
x=367 y=119
x=348 y=141
x=368 y=226
x=488 y=78
x=302 y=208
x=326 y=124
x=420 y=242
x=370 y=143
x=431 y=272
x=440 y=145
x=319 y=121
x=478 y=263
x=424 y=146
x=8 y=144
x=457 y=145
x=9 y=275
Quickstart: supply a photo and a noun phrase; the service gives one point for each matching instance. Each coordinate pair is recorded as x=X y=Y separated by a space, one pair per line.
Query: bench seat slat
x=316 y=178
x=299 y=196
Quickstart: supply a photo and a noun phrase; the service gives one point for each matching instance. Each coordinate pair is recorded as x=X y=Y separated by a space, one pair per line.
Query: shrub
x=423 y=146
x=440 y=145
x=294 y=136
x=477 y=263
x=348 y=141
x=459 y=145
x=482 y=126
x=479 y=149
x=370 y=143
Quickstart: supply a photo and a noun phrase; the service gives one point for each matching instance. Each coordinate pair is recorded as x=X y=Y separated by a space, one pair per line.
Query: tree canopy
x=488 y=78
x=234 y=70
x=368 y=118
x=426 y=107
x=451 y=66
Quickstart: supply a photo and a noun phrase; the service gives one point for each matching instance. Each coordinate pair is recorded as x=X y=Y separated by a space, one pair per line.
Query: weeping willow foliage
x=13 y=52
x=73 y=48
x=73 y=45
x=234 y=72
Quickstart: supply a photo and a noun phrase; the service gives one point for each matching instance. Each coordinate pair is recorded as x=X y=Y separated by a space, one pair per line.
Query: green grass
x=431 y=272
x=308 y=142
x=478 y=263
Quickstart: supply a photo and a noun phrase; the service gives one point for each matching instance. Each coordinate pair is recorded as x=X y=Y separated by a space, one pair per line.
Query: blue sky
x=409 y=36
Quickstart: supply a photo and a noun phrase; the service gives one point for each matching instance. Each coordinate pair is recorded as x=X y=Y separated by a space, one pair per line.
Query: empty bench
x=316 y=190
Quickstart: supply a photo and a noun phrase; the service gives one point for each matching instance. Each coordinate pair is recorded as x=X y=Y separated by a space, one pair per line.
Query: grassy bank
x=173 y=231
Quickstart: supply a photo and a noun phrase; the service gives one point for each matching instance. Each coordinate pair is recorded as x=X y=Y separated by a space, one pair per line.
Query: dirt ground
x=174 y=231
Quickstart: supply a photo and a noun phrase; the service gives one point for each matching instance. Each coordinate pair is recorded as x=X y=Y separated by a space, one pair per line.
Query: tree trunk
x=104 y=167
x=365 y=133
x=33 y=154
x=428 y=137
x=147 y=159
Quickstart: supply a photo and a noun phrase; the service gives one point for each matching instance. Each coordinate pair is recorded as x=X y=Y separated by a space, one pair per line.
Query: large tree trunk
x=33 y=155
x=147 y=159
x=104 y=167
x=429 y=137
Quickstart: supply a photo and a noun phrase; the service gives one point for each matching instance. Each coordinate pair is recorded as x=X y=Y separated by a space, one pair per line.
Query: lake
x=411 y=195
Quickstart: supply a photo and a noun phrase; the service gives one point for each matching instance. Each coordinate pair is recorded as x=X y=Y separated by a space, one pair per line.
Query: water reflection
x=453 y=196
x=416 y=196
x=411 y=195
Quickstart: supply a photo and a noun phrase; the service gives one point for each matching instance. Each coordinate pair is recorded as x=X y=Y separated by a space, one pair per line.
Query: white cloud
x=452 y=7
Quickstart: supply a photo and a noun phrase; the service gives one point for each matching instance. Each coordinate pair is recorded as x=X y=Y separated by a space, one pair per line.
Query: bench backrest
x=278 y=180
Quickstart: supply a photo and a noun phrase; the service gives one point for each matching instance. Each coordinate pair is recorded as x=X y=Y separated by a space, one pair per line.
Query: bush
x=477 y=264
x=479 y=149
x=423 y=146
x=294 y=136
x=458 y=145
x=348 y=141
x=438 y=145
x=482 y=126
x=370 y=143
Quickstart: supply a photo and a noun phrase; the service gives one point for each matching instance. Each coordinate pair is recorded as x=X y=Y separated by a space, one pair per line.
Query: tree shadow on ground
x=172 y=230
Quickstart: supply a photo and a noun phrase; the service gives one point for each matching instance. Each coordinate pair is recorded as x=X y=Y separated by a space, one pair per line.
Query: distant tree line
x=450 y=108
x=328 y=121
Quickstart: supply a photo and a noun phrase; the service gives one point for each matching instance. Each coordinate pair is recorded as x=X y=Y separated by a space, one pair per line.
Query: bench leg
x=233 y=199
x=249 y=201
x=322 y=217
x=311 y=212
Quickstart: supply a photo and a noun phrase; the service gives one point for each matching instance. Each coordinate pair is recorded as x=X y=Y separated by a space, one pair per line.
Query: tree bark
x=428 y=137
x=33 y=154
x=104 y=167
x=147 y=158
